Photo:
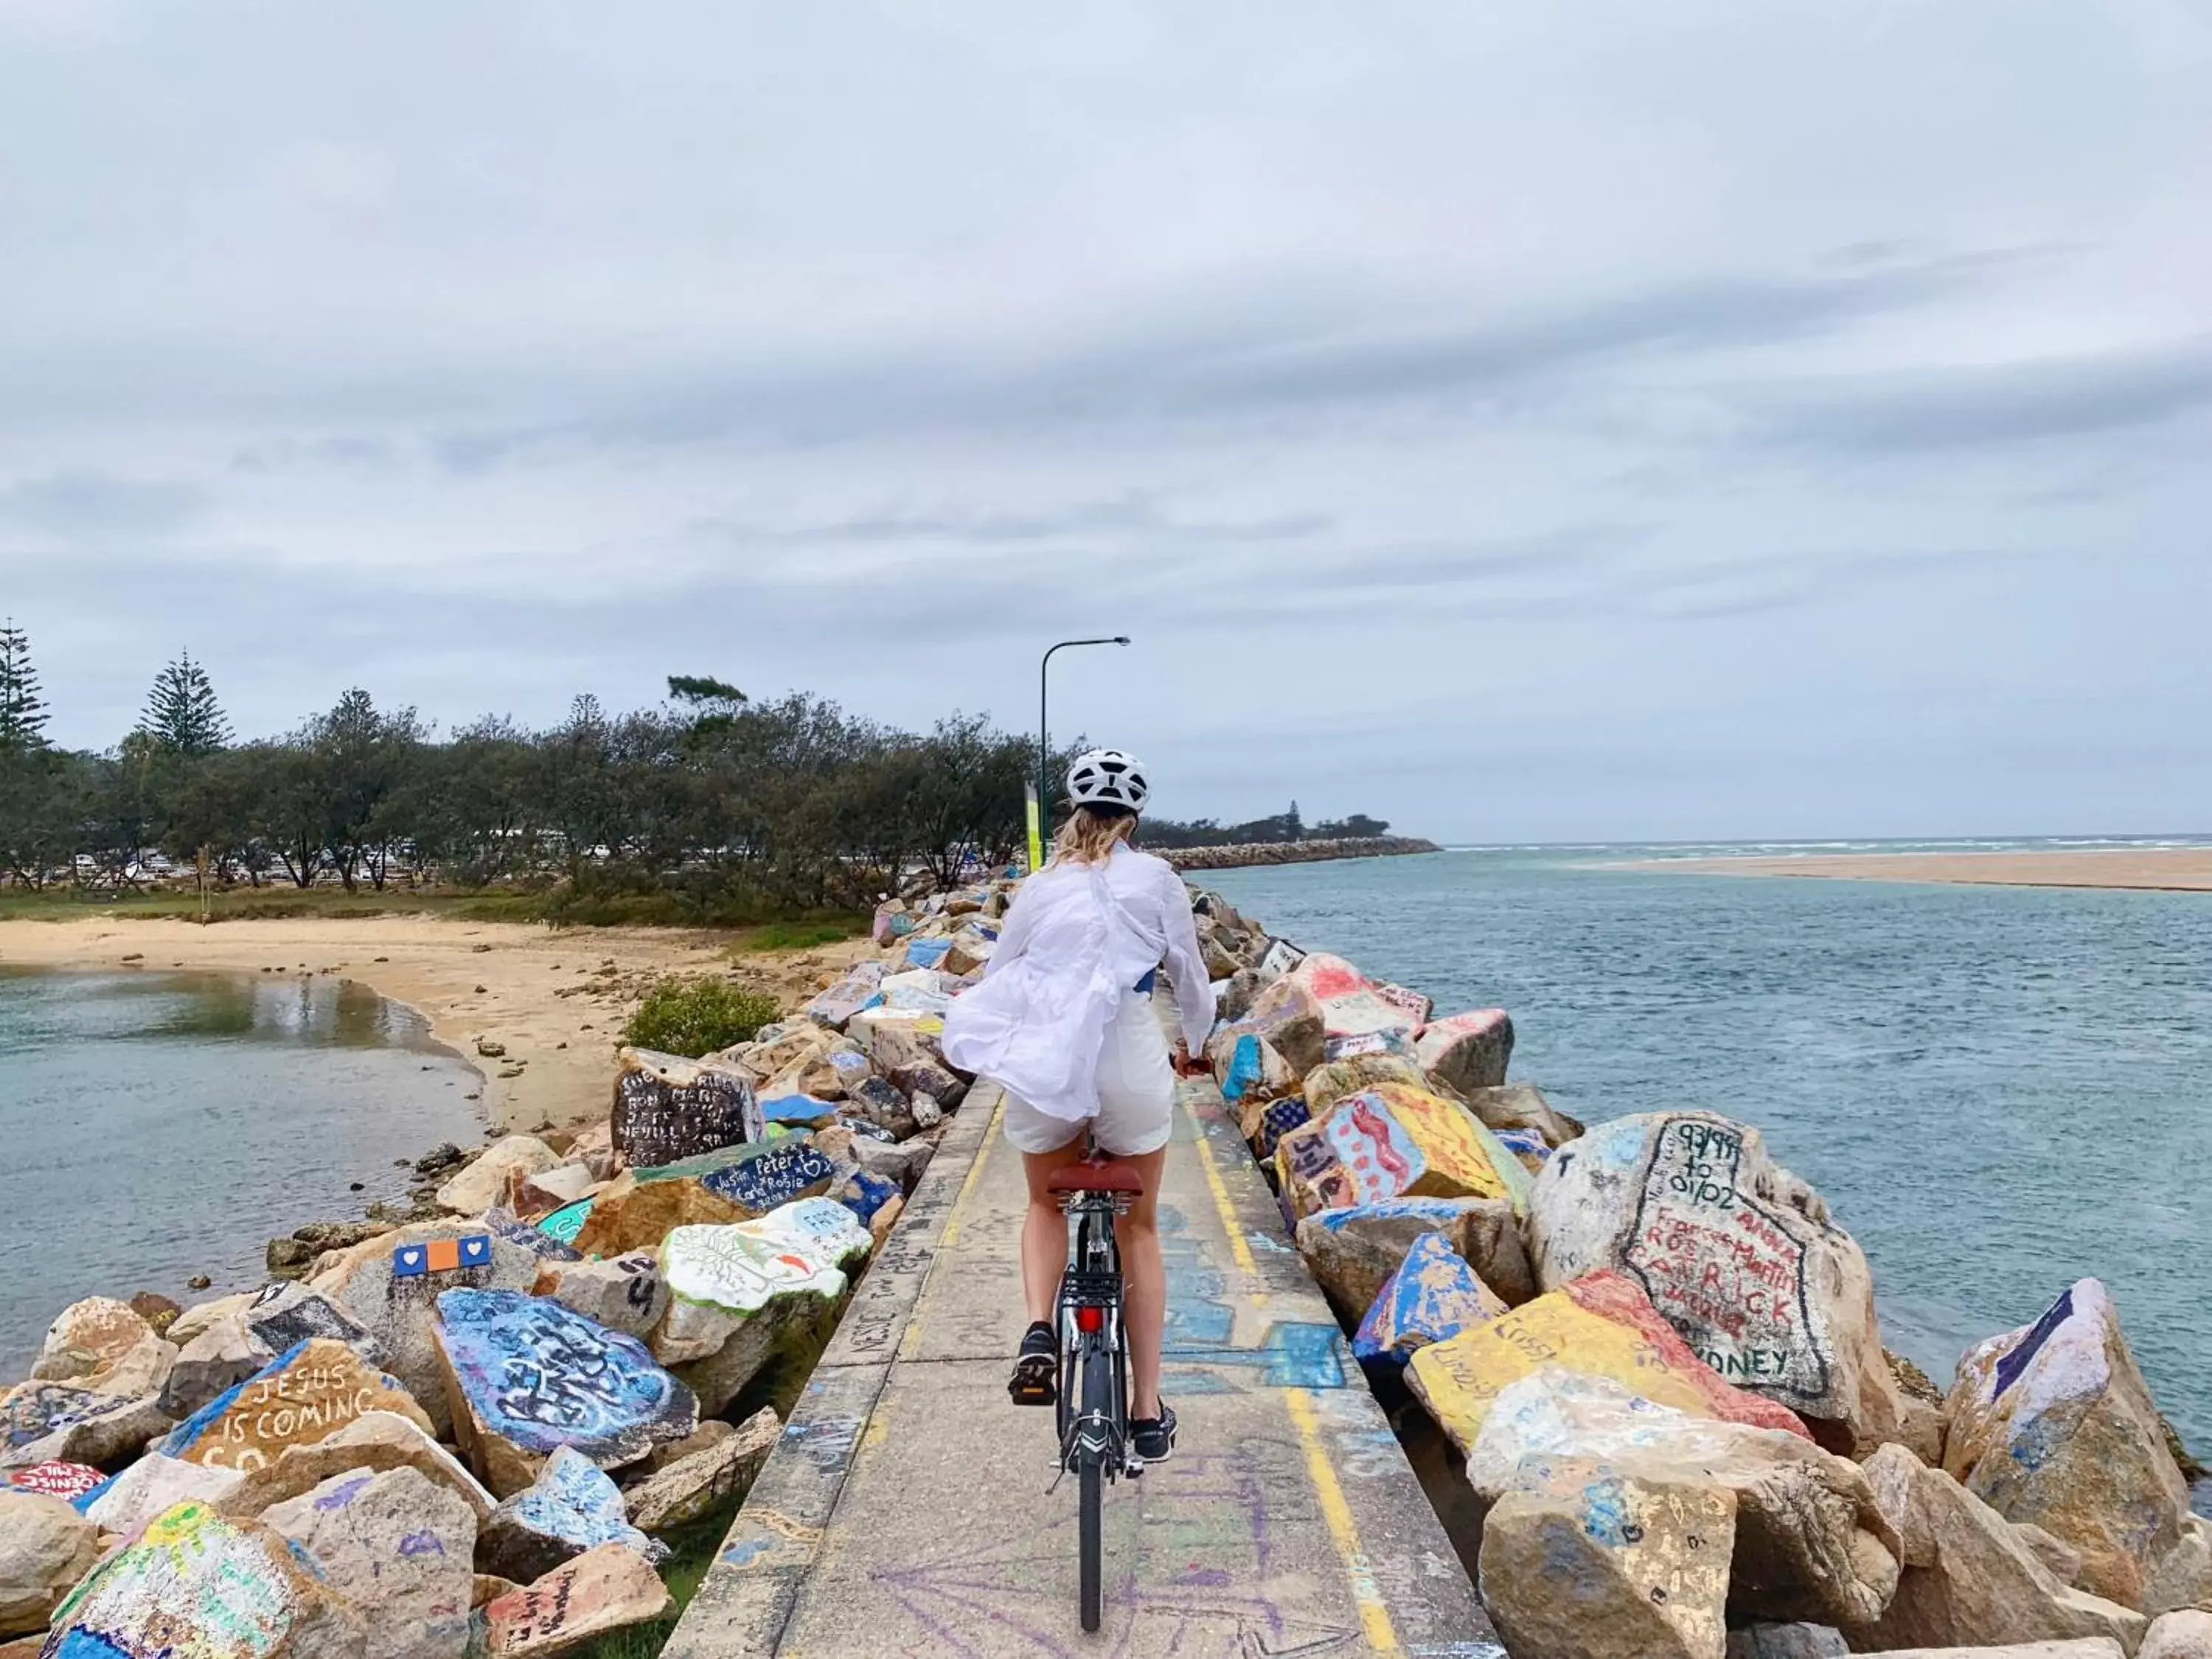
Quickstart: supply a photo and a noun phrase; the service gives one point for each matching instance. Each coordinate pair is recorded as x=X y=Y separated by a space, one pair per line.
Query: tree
x=182 y=715
x=23 y=710
x=1358 y=827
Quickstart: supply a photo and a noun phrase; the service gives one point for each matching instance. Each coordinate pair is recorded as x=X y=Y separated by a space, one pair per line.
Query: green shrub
x=695 y=1016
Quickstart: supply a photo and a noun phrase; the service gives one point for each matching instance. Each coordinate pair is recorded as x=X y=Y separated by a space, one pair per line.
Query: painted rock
x=1601 y=1566
x=376 y=1441
x=570 y=1508
x=1393 y=1141
x=1467 y=1051
x=800 y=1111
x=1741 y=1258
x=1812 y=1542
x=283 y=1315
x=886 y=923
x=67 y=1481
x=1395 y=1041
x=2052 y=1424
x=1531 y=1148
x=1596 y=1329
x=863 y=1193
x=1266 y=1125
x=1417 y=1007
x=305 y=1393
x=1353 y=1251
x=487 y=1179
x=46 y=1546
x=1287 y=1017
x=153 y=1485
x=400 y=1547
x=600 y=1590
x=795 y=1250
x=1249 y=1071
x=1280 y=956
x=381 y=1285
x=61 y=1423
x=1433 y=1298
x=546 y=1244
x=195 y=1583
x=562 y=1225
x=626 y=1293
x=528 y=1376
x=1330 y=1082
x=775 y=1178
x=1350 y=1009
x=847 y=997
x=104 y=1346
x=691 y=1487
x=925 y=952
x=971 y=947
x=904 y=1050
x=880 y=1100
x=1970 y=1578
x=626 y=1220
x=668 y=1108
x=1310 y=1176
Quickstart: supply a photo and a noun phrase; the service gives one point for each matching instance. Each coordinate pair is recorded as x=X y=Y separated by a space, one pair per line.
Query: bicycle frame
x=1090 y=1333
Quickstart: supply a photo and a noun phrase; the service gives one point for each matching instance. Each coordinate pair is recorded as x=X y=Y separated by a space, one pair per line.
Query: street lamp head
x=1121 y=638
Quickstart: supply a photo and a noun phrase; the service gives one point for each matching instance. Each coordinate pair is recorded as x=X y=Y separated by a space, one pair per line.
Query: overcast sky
x=1520 y=421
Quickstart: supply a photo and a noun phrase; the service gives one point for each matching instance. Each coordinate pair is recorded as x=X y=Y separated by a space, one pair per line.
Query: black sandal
x=1036 y=1368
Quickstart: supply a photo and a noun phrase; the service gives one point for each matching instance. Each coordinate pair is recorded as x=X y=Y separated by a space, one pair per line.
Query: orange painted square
x=445 y=1254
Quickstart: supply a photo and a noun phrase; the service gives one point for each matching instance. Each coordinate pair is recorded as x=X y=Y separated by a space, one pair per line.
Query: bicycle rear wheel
x=1098 y=1409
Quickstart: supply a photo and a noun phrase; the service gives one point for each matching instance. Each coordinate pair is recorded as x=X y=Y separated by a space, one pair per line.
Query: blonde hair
x=1089 y=833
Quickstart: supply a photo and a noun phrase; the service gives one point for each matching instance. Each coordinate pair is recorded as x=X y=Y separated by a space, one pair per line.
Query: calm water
x=1998 y=1090
x=161 y=1125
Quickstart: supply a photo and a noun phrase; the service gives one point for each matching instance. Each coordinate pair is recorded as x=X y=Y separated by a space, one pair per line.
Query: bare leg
x=1044 y=1231
x=1145 y=1279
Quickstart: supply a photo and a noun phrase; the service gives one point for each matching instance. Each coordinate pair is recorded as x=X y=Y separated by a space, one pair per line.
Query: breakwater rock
x=461 y=1428
x=1658 y=1353
x=1293 y=851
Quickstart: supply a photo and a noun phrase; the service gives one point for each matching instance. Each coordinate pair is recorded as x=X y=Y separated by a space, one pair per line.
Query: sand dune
x=555 y=999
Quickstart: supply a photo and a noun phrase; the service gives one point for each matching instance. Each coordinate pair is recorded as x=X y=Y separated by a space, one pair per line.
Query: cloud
x=1985 y=405
x=89 y=504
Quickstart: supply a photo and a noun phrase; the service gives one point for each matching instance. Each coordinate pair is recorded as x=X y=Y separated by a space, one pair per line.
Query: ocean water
x=1999 y=1090
x=161 y=1125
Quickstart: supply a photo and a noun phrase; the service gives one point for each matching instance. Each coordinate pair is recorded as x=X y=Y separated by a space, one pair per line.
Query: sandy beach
x=555 y=999
x=2174 y=869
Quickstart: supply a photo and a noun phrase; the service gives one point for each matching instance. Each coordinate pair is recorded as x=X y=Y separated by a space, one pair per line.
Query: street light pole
x=1044 y=742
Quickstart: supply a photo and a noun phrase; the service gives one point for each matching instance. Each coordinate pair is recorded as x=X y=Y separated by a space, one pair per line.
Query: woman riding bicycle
x=1063 y=1020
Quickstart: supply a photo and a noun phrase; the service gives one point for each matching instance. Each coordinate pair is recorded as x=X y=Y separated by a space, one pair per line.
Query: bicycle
x=1093 y=1408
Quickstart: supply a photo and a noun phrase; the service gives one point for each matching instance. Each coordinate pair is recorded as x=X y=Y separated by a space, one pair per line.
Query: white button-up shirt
x=1077 y=937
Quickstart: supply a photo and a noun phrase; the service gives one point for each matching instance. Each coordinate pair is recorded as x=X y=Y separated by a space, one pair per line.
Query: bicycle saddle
x=1095 y=1174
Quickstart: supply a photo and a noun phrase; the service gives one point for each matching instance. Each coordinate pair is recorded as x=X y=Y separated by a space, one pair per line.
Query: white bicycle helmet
x=1107 y=777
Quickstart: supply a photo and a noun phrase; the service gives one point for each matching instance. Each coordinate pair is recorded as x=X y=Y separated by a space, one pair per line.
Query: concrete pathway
x=906 y=1510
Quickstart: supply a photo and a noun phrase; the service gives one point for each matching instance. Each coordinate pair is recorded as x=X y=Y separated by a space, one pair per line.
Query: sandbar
x=546 y=995
x=2165 y=869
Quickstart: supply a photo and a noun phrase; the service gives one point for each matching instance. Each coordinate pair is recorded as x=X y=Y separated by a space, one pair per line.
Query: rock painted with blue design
x=573 y=1506
x=864 y=1193
x=1434 y=1296
x=562 y=1225
x=527 y=1376
x=774 y=1178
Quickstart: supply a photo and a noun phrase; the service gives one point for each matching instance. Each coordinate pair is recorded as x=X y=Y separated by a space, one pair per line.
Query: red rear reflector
x=1091 y=1320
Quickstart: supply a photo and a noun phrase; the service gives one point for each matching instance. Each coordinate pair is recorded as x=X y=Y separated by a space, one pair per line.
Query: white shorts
x=1136 y=1092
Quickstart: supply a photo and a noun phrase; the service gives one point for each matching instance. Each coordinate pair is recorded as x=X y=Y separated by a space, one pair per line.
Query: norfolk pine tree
x=23 y=710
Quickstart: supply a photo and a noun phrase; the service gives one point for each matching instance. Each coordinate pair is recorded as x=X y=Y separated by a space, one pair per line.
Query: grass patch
x=801 y=935
x=695 y=1016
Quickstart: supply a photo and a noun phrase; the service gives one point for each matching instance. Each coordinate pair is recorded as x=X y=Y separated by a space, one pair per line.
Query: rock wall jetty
x=1653 y=1350
x=1293 y=851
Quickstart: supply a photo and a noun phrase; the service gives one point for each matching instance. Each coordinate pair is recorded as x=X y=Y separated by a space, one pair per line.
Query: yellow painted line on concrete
x=951 y=1236
x=910 y=1344
x=1238 y=1248
x=1373 y=1617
